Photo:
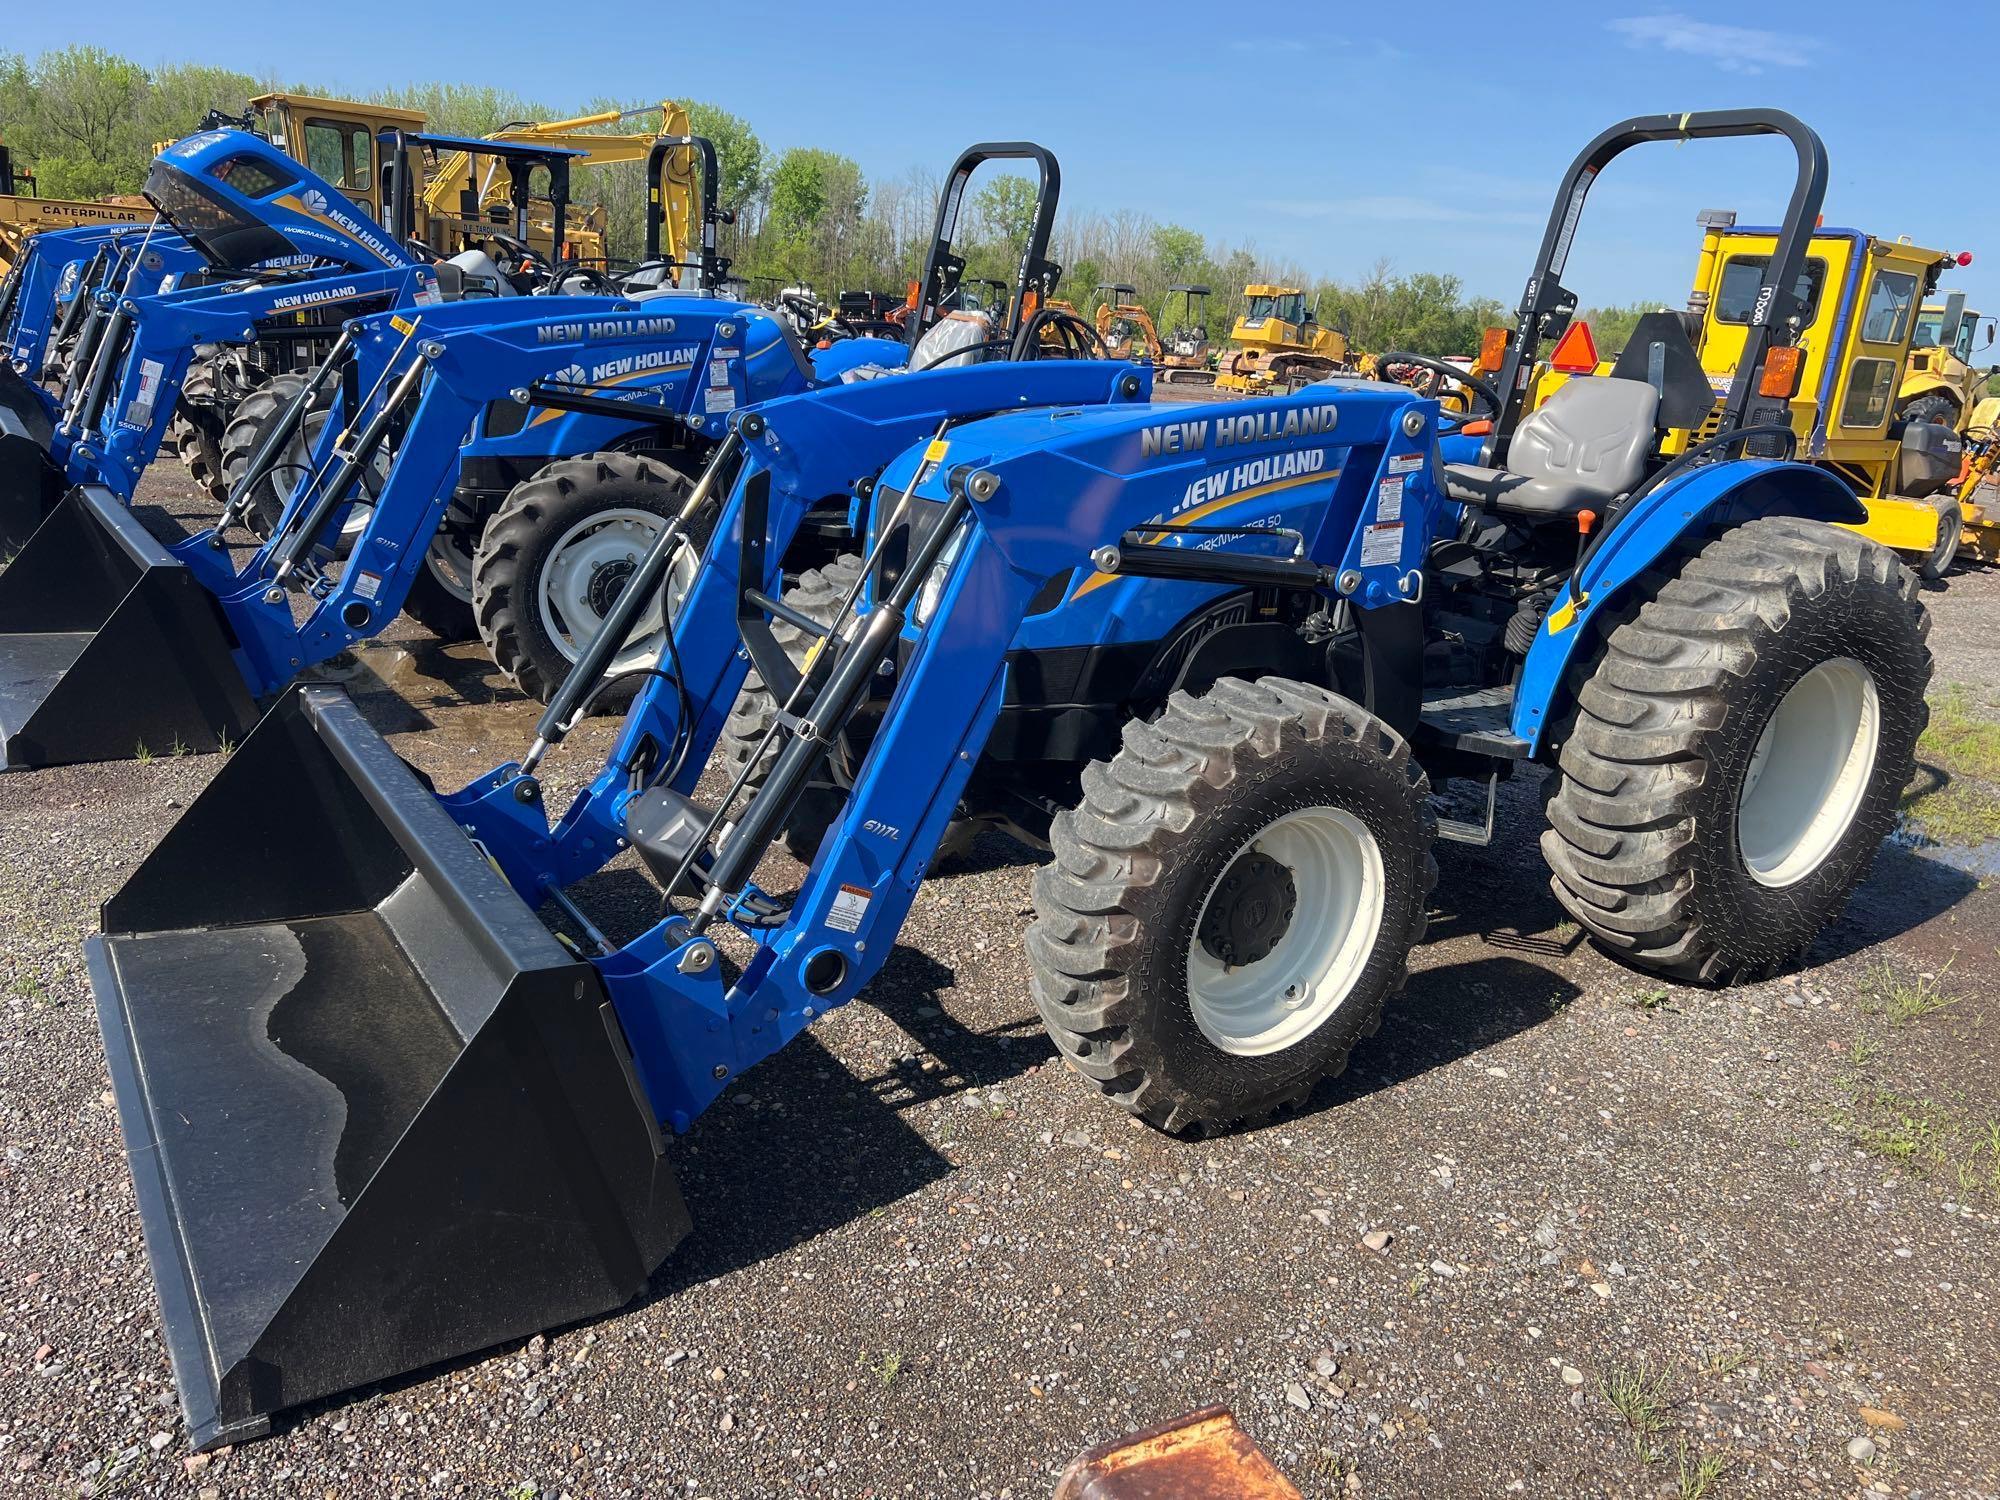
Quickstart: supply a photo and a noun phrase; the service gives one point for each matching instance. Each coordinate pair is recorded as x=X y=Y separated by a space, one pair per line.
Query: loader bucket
x=377 y=1117
x=30 y=483
x=109 y=646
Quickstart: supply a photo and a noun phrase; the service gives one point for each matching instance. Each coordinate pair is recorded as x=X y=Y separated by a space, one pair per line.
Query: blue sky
x=1331 y=134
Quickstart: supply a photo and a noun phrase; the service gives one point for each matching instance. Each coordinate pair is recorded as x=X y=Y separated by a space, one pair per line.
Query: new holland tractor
x=243 y=207
x=638 y=388
x=1222 y=651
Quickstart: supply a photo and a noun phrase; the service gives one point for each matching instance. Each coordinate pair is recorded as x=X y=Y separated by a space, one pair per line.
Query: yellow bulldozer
x=1280 y=344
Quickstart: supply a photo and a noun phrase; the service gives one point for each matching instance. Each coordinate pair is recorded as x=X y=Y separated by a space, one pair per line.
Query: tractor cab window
x=1743 y=278
x=1290 y=308
x=342 y=153
x=1968 y=328
x=1890 y=302
x=1930 y=329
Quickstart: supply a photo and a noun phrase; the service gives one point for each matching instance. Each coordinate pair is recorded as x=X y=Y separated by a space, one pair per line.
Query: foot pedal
x=1458 y=831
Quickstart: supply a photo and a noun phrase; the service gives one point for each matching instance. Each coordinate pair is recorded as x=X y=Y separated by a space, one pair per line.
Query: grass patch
x=1725 y=1362
x=141 y=754
x=1928 y=1139
x=1641 y=1397
x=1652 y=999
x=887 y=1371
x=1905 y=1000
x=1697 y=1472
x=1959 y=737
x=1958 y=813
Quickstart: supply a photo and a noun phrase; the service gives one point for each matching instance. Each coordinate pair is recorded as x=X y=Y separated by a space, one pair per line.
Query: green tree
x=182 y=93
x=83 y=130
x=739 y=153
x=1180 y=252
x=1004 y=210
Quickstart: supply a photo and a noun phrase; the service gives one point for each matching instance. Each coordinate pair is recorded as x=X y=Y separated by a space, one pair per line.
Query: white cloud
x=1734 y=49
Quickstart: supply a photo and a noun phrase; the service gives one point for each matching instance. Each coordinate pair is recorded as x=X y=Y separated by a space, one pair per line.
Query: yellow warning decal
x=935 y=453
x=402 y=325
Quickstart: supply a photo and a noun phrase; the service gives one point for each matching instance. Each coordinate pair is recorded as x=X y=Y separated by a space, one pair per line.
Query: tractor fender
x=1708 y=500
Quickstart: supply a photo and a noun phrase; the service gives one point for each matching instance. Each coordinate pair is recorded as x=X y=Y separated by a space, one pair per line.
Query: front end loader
x=388 y=1009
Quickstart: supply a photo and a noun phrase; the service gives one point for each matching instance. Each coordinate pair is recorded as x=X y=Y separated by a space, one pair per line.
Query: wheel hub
x=607 y=582
x=1250 y=911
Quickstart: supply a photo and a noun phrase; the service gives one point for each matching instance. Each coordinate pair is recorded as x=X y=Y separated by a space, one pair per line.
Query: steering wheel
x=594 y=280
x=1074 y=338
x=524 y=255
x=1438 y=372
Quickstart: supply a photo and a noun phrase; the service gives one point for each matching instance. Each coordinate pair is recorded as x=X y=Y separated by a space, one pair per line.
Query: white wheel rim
x=1252 y=1009
x=574 y=595
x=1810 y=772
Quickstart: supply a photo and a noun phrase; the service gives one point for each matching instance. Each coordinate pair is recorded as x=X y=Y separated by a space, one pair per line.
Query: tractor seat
x=1585 y=445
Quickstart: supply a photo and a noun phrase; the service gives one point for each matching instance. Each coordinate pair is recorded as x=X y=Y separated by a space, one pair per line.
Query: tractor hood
x=243 y=203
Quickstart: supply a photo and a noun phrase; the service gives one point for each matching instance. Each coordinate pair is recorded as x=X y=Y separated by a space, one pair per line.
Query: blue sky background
x=1330 y=134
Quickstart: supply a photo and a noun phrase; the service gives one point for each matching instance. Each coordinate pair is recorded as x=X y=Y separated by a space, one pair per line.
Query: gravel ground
x=1559 y=1230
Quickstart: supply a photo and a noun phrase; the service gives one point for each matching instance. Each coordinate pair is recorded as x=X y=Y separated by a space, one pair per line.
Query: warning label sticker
x=368 y=585
x=1382 y=545
x=1406 y=463
x=1389 y=500
x=718 y=372
x=140 y=415
x=719 y=398
x=850 y=905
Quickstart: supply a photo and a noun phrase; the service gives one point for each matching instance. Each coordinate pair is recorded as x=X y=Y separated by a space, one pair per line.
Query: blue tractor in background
x=1215 y=657
x=363 y=534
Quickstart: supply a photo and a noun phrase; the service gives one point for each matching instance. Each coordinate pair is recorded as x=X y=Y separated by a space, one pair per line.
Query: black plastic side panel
x=108 y=644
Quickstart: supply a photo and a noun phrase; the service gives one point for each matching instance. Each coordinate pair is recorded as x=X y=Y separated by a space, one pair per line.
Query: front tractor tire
x=1738 y=752
x=1232 y=902
x=555 y=557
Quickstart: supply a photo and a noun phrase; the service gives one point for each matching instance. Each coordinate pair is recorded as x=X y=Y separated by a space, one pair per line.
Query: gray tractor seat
x=1585 y=445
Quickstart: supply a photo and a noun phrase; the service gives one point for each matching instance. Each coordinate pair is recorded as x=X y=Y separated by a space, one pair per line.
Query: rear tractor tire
x=555 y=557
x=1232 y=902
x=1739 y=751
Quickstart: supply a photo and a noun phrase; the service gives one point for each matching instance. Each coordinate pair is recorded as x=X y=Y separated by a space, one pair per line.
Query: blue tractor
x=363 y=533
x=389 y=1025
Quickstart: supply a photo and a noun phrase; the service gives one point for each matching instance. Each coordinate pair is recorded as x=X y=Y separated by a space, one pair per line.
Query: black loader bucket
x=29 y=483
x=109 y=647
x=377 y=1116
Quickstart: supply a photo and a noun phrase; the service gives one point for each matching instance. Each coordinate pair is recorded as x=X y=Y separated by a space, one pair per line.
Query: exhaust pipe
x=377 y=1117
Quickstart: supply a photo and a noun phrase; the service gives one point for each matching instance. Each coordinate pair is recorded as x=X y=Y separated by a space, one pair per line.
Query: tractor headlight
x=933 y=589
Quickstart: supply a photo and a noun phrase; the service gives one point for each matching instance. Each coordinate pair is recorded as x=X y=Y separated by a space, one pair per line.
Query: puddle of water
x=1981 y=859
